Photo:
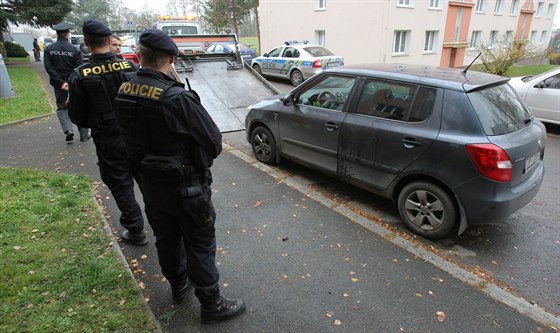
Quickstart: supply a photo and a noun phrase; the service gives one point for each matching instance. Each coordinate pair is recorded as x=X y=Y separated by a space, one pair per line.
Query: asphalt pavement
x=301 y=262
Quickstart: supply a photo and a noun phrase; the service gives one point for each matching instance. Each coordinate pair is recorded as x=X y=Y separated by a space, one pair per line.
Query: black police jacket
x=157 y=116
x=60 y=59
x=93 y=88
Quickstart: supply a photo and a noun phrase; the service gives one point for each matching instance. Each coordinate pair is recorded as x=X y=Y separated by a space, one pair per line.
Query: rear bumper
x=486 y=201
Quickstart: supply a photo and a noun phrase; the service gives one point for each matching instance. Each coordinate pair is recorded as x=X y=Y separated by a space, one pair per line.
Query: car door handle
x=410 y=143
x=331 y=126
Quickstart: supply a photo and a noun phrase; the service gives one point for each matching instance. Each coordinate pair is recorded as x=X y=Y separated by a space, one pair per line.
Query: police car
x=296 y=61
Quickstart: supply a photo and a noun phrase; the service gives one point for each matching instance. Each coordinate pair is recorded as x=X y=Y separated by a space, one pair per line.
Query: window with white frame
x=499 y=7
x=400 y=42
x=321 y=4
x=550 y=11
x=514 y=5
x=533 y=38
x=433 y=4
x=405 y=3
x=457 y=30
x=476 y=39
x=508 y=37
x=320 y=37
x=431 y=41
x=544 y=37
x=493 y=38
x=540 y=8
x=481 y=6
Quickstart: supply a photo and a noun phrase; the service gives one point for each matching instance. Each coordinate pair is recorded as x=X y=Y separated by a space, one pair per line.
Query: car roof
x=450 y=78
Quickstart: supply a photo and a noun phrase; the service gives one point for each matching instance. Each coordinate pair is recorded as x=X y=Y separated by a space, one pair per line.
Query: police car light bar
x=290 y=42
x=176 y=18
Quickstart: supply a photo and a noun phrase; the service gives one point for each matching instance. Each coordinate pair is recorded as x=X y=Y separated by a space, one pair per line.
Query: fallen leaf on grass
x=440 y=316
x=17 y=248
x=122 y=301
x=142 y=285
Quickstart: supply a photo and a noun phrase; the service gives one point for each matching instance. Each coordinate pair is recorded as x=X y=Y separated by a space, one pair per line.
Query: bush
x=554 y=58
x=15 y=50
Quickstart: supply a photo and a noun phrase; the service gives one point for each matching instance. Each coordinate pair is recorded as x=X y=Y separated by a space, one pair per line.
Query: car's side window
x=331 y=92
x=386 y=99
x=290 y=52
x=275 y=52
x=552 y=82
x=423 y=105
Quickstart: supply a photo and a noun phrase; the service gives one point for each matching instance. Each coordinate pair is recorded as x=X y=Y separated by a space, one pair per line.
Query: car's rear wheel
x=257 y=68
x=296 y=77
x=427 y=209
x=264 y=145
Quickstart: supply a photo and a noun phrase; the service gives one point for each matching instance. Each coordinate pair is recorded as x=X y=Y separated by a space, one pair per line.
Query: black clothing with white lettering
x=60 y=59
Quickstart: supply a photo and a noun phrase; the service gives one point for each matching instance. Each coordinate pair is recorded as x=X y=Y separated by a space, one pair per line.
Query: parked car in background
x=451 y=148
x=129 y=54
x=247 y=53
x=541 y=93
x=78 y=41
x=44 y=41
x=296 y=61
x=130 y=42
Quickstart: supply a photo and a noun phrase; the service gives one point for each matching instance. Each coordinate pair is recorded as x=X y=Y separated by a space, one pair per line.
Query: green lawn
x=17 y=60
x=528 y=70
x=30 y=100
x=253 y=42
x=59 y=272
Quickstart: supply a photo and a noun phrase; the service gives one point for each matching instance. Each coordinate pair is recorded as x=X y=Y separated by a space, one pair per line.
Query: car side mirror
x=265 y=55
x=540 y=85
x=288 y=100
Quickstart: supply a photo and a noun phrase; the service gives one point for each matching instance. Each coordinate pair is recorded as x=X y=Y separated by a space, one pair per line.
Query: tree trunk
x=256 y=9
x=234 y=18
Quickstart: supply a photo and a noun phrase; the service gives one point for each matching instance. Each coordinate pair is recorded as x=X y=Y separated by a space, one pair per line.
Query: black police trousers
x=185 y=248
x=119 y=178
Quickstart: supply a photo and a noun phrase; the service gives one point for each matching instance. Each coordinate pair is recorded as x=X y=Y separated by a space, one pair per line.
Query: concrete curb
x=120 y=256
x=492 y=290
x=18 y=122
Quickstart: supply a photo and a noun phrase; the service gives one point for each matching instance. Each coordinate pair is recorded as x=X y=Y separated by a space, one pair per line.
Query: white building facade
x=431 y=32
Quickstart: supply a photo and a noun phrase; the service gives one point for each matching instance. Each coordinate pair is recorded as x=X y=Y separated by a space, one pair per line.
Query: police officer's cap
x=62 y=27
x=94 y=27
x=158 y=40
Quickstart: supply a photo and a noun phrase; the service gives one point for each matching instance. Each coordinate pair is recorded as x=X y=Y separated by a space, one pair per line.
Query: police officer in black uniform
x=93 y=88
x=172 y=141
x=60 y=59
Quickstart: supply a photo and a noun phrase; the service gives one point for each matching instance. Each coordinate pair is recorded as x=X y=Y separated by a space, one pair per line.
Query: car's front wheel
x=264 y=145
x=427 y=209
x=257 y=69
x=296 y=77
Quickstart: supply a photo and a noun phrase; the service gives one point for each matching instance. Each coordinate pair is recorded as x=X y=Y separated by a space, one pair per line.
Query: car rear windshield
x=499 y=110
x=180 y=30
x=318 y=51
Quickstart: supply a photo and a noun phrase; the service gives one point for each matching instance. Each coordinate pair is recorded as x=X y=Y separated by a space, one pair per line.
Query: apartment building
x=430 y=32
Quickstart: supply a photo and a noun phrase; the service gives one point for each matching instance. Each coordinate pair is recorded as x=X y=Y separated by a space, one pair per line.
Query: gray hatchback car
x=450 y=147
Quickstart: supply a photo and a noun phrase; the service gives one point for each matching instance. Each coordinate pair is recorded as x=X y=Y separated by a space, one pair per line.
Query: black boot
x=219 y=309
x=138 y=238
x=180 y=291
x=69 y=135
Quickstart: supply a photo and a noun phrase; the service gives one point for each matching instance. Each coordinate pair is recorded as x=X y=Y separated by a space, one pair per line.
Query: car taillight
x=317 y=64
x=491 y=161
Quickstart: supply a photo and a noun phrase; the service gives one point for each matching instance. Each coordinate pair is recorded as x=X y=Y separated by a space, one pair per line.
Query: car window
x=331 y=92
x=275 y=52
x=499 y=110
x=552 y=82
x=180 y=30
x=318 y=51
x=386 y=99
x=291 y=52
x=211 y=48
x=423 y=105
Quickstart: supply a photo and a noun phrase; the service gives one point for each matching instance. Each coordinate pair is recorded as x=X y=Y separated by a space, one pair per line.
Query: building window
x=400 y=44
x=540 y=8
x=481 y=6
x=509 y=37
x=405 y=3
x=533 y=38
x=431 y=41
x=514 y=5
x=457 y=31
x=544 y=37
x=321 y=4
x=550 y=11
x=320 y=37
x=433 y=4
x=493 y=38
x=476 y=39
x=499 y=7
